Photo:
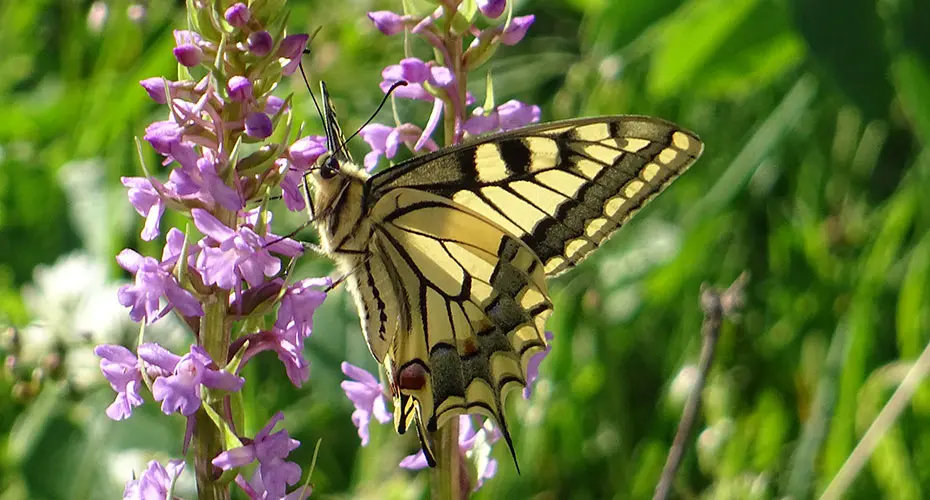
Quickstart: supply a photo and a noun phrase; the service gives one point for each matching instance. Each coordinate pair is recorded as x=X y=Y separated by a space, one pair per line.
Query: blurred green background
x=815 y=115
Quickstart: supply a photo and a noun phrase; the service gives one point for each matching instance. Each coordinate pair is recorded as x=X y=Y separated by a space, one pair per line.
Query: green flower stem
x=450 y=480
x=454 y=109
x=447 y=475
x=208 y=441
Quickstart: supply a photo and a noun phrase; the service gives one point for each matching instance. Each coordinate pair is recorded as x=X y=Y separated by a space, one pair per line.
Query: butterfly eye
x=329 y=168
x=327 y=172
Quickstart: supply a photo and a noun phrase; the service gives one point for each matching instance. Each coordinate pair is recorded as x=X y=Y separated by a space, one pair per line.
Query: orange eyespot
x=412 y=377
x=469 y=347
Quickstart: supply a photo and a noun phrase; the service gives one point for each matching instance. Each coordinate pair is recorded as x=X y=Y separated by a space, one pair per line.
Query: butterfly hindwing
x=478 y=305
x=563 y=188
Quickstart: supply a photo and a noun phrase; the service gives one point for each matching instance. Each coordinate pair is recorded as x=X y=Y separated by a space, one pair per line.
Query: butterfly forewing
x=335 y=139
x=564 y=187
x=447 y=254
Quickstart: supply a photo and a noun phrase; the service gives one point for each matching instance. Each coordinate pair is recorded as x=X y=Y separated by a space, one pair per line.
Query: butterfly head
x=336 y=184
x=327 y=167
x=332 y=171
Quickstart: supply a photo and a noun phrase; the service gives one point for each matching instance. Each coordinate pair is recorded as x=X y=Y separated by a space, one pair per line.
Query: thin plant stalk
x=885 y=419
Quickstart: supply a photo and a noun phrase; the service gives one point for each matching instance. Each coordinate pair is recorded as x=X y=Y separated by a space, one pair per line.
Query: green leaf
x=690 y=40
x=763 y=49
x=845 y=38
x=912 y=79
x=619 y=23
x=911 y=318
x=488 y=94
x=230 y=440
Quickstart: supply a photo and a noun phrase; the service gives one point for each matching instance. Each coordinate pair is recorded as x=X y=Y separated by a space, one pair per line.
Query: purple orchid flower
x=255 y=489
x=385 y=141
x=155 y=482
x=508 y=116
x=153 y=280
x=298 y=304
x=302 y=155
x=532 y=368
x=368 y=397
x=474 y=444
x=199 y=181
x=292 y=49
x=181 y=390
x=240 y=254
x=416 y=73
x=282 y=342
x=294 y=325
x=147 y=201
x=121 y=368
x=270 y=450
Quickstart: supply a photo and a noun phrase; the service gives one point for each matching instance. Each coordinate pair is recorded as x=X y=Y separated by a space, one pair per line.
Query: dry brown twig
x=717 y=304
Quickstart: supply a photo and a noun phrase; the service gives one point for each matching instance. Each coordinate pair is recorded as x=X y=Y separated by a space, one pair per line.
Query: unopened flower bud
x=238 y=15
x=155 y=87
x=260 y=43
x=258 y=125
x=492 y=8
x=273 y=105
x=239 y=88
x=387 y=22
x=517 y=29
x=187 y=51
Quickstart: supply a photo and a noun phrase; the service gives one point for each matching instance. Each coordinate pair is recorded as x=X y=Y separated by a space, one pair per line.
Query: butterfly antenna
x=303 y=75
x=319 y=112
x=395 y=86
